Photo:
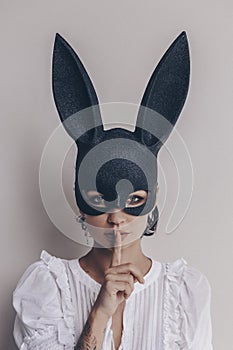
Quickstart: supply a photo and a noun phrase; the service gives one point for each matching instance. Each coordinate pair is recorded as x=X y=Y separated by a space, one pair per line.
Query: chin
x=103 y=245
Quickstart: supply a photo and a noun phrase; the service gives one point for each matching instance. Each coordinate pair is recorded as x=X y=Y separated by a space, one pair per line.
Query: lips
x=123 y=235
x=111 y=235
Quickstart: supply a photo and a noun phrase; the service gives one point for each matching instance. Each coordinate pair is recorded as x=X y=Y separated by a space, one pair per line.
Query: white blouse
x=171 y=311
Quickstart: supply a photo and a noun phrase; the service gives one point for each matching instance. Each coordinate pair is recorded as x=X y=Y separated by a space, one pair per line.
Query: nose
x=116 y=217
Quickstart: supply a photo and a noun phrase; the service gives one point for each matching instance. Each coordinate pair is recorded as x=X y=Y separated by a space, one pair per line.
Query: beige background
x=120 y=42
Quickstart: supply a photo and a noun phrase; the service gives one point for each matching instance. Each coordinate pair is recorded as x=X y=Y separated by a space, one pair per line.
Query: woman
x=115 y=297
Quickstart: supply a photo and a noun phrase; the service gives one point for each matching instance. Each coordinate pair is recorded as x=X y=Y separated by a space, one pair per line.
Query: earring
x=81 y=219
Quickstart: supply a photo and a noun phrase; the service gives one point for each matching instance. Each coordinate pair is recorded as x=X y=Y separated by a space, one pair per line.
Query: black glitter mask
x=118 y=162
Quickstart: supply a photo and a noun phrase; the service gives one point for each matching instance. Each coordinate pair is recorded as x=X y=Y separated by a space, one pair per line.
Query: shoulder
x=180 y=271
x=41 y=289
x=42 y=274
x=191 y=285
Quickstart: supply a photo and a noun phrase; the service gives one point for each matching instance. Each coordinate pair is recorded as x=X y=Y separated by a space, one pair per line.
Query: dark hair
x=152 y=223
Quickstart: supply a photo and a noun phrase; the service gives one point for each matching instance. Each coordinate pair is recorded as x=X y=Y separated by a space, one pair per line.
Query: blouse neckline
x=150 y=276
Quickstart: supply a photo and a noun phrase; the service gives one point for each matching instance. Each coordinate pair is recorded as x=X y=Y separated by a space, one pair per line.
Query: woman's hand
x=118 y=281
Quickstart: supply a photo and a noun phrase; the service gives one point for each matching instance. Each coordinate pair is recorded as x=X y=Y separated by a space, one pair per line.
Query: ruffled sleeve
x=187 y=315
x=42 y=300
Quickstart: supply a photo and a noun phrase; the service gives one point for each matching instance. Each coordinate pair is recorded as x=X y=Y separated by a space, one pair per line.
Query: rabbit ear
x=73 y=92
x=165 y=95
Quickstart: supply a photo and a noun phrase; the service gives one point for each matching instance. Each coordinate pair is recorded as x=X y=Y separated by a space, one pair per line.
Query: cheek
x=138 y=225
x=97 y=220
x=96 y=224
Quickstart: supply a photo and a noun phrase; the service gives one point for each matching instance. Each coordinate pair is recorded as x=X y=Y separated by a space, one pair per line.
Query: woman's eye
x=135 y=200
x=97 y=200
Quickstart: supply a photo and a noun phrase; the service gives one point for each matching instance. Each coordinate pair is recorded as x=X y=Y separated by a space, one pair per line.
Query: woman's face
x=101 y=227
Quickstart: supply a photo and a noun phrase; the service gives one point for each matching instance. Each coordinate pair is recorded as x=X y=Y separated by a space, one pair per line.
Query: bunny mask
x=118 y=162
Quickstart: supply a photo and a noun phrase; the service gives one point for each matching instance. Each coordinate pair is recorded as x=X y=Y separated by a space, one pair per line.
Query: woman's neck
x=99 y=259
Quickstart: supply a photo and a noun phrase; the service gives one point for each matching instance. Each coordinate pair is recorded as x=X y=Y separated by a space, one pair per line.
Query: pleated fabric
x=171 y=311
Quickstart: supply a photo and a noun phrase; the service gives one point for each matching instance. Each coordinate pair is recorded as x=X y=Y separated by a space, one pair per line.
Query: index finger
x=116 y=256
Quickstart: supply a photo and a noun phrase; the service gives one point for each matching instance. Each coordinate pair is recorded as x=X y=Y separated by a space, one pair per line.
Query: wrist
x=99 y=314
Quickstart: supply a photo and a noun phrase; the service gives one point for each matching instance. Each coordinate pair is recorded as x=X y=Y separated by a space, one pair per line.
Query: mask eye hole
x=95 y=198
x=136 y=199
